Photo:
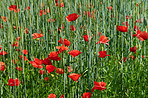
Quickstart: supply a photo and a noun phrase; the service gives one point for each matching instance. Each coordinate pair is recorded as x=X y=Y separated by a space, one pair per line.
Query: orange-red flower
x=50 y=68
x=99 y=86
x=102 y=54
x=36 y=63
x=42 y=72
x=51 y=96
x=46 y=78
x=138 y=32
x=86 y=95
x=15 y=43
x=19 y=69
x=142 y=36
x=18 y=38
x=4 y=18
x=13 y=82
x=1 y=26
x=122 y=28
x=85 y=37
x=23 y=58
x=61 y=48
x=46 y=61
x=36 y=35
x=133 y=57
x=13 y=8
x=110 y=8
x=74 y=53
x=103 y=40
x=0 y=48
x=66 y=42
x=74 y=76
x=51 y=20
x=72 y=17
x=136 y=28
x=24 y=51
x=3 y=53
x=69 y=69
x=62 y=96
x=54 y=56
x=59 y=70
x=133 y=49
x=72 y=27
x=2 y=66
x=42 y=12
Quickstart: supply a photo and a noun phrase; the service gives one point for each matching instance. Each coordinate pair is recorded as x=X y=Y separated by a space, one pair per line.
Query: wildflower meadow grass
x=74 y=48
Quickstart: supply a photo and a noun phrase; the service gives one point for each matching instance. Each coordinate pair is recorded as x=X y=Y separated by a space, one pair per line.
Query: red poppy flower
x=142 y=36
x=42 y=72
x=66 y=42
x=143 y=56
x=54 y=56
x=19 y=69
x=125 y=23
x=85 y=37
x=4 y=18
x=133 y=49
x=74 y=53
x=15 y=43
x=46 y=78
x=138 y=32
x=72 y=17
x=102 y=54
x=0 y=48
x=36 y=35
x=99 y=86
x=124 y=59
x=13 y=82
x=2 y=66
x=24 y=51
x=87 y=13
x=3 y=53
x=73 y=28
x=51 y=20
x=110 y=8
x=50 y=68
x=18 y=38
x=62 y=96
x=26 y=30
x=69 y=69
x=74 y=76
x=122 y=28
x=61 y=4
x=13 y=8
x=136 y=28
x=61 y=48
x=28 y=8
x=42 y=12
x=1 y=26
x=17 y=49
x=132 y=57
x=86 y=95
x=103 y=40
x=46 y=61
x=23 y=58
x=59 y=70
x=36 y=63
x=51 y=96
